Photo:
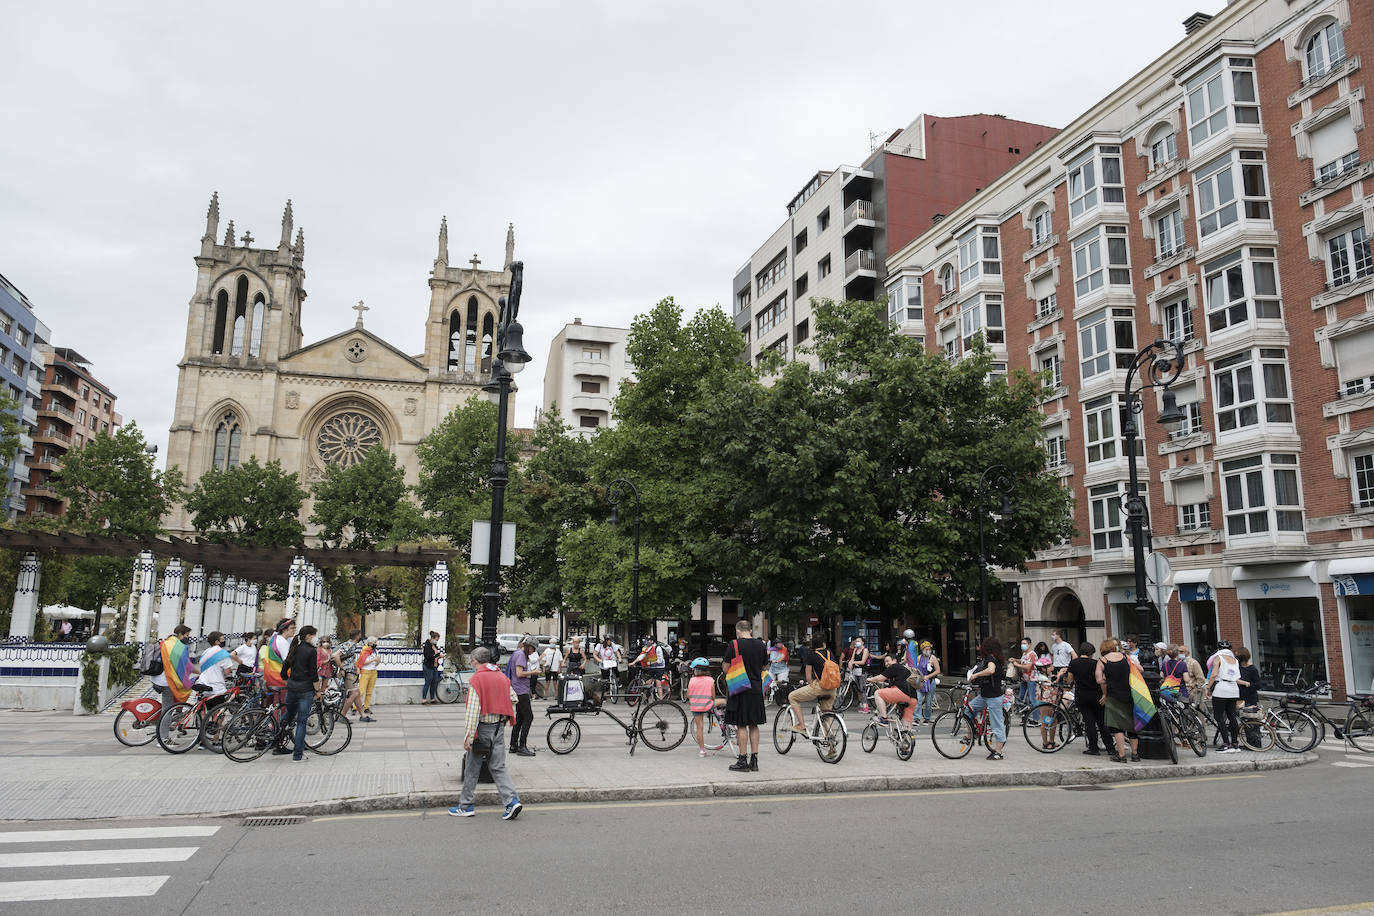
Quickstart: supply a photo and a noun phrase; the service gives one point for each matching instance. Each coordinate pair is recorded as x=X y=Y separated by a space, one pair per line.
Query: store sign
x=1196 y=591
x=1255 y=589
x=1357 y=584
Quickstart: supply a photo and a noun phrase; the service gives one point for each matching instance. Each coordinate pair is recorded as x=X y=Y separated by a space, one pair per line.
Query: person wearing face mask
x=927 y=669
x=301 y=673
x=1195 y=680
x=1025 y=667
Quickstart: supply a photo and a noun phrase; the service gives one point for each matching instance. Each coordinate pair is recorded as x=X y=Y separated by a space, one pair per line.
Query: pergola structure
x=220 y=591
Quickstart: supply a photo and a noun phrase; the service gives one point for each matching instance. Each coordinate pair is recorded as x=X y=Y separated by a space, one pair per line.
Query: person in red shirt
x=490 y=708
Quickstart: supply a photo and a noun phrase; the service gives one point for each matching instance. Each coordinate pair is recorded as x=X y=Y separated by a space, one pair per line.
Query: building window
x=591 y=387
x=1099 y=420
x=1169 y=234
x=1095 y=177
x=1163 y=149
x=779 y=347
x=228 y=436
x=1362 y=467
x=1355 y=362
x=1324 y=50
x=767 y=319
x=81 y=416
x=978 y=254
x=95 y=422
x=1336 y=168
x=1192 y=420
x=799 y=243
x=588 y=421
x=823 y=268
x=1053 y=368
x=1194 y=516
x=104 y=427
x=1091 y=269
x=1045 y=305
x=743 y=298
x=801 y=285
x=823 y=220
x=1216 y=184
x=983 y=315
x=1347 y=256
x=1178 y=321
x=771 y=274
x=803 y=330
x=255 y=339
x=1106 y=518
x=1040 y=226
x=1241 y=286
x=1056 y=452
x=1106 y=340
x=1261 y=494
x=593 y=353
x=1239 y=397
x=947 y=284
x=904 y=300
x=1222 y=95
x=21 y=337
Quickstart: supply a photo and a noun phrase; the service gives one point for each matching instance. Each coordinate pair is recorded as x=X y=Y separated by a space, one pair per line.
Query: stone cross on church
x=360 y=308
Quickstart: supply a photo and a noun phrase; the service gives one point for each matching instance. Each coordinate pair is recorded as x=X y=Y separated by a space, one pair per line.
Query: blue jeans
x=923 y=703
x=1028 y=692
x=997 y=720
x=431 y=689
x=298 y=711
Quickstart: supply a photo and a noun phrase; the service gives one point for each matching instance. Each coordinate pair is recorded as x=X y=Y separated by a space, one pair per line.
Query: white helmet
x=908 y=634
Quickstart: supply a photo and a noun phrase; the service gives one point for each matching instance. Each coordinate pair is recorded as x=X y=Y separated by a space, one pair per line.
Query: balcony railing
x=859 y=209
x=862 y=259
x=53 y=435
x=54 y=407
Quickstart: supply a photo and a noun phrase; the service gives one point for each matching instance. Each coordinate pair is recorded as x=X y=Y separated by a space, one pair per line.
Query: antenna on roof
x=873 y=140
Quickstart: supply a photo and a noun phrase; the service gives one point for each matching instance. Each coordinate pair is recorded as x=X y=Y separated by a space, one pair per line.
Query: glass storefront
x=1200 y=625
x=1359 y=612
x=1289 y=648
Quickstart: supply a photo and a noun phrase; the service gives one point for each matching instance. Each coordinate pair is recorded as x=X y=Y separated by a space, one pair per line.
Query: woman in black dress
x=1114 y=674
x=745 y=710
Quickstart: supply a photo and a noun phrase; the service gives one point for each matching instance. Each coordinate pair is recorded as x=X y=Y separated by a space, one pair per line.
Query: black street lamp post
x=615 y=498
x=510 y=358
x=996 y=478
x=1156 y=366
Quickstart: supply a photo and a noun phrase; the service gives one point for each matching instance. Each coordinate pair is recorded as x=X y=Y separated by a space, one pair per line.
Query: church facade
x=249 y=385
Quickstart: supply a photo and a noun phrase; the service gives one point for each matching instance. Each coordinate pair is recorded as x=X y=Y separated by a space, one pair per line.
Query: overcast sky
x=642 y=149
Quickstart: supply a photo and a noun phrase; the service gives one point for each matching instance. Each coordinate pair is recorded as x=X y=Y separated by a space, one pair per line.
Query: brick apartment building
x=1222 y=197
x=75 y=409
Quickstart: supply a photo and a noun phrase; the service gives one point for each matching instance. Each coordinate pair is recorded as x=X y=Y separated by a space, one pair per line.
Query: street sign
x=1157 y=574
x=481 y=543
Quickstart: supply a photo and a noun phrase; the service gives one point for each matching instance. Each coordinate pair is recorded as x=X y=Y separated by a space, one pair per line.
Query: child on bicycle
x=894 y=690
x=701 y=698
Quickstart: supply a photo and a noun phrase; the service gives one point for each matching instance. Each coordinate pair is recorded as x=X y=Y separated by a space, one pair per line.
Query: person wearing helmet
x=701 y=697
x=1223 y=686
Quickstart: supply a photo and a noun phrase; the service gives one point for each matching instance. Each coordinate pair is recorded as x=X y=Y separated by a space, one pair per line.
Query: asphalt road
x=1292 y=840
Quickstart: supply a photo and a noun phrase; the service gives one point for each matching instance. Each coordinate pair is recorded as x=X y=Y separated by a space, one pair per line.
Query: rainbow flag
x=912 y=654
x=650 y=655
x=176 y=667
x=1144 y=707
x=767 y=680
x=736 y=678
x=271 y=665
x=363 y=656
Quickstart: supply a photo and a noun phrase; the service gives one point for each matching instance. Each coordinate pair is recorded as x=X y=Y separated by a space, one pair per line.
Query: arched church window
x=236 y=348
x=259 y=314
x=228 y=439
x=345 y=438
x=240 y=316
x=221 y=320
x=487 y=325
x=470 y=348
x=455 y=341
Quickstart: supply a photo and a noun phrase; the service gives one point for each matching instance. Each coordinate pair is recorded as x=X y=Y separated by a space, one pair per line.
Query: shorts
x=350 y=680
x=813 y=691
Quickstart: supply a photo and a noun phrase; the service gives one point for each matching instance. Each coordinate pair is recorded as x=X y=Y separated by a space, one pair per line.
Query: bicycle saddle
x=202 y=688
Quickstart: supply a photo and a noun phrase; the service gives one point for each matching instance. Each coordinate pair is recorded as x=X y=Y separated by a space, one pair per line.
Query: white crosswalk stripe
x=90 y=888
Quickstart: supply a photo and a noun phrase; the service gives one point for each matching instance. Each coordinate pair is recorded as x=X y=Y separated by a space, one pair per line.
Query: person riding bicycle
x=895 y=690
x=813 y=663
x=653 y=663
x=701 y=699
x=778 y=659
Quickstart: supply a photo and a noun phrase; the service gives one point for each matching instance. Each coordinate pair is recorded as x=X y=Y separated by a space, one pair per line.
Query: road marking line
x=1350 y=763
x=81 y=888
x=1323 y=910
x=1166 y=782
x=105 y=833
x=95 y=857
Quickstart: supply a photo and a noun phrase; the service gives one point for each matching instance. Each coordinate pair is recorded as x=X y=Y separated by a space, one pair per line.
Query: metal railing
x=859 y=209
x=862 y=259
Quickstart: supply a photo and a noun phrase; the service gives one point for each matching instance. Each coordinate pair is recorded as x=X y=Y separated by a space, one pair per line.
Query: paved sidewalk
x=58 y=766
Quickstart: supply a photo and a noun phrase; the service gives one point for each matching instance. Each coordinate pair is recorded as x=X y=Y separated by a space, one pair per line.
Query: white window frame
x=1053 y=363
x=1101 y=258
x=983 y=314
x=1169 y=236
x=1042 y=225
x=1107 y=518
x=1362 y=480
x=1195 y=516
x=1348 y=256
x=904 y=300
x=1230 y=189
x=1222 y=96
x=1056 y=451
x=1163 y=149
x=1095 y=178
x=1323 y=50
x=1177 y=320
x=979 y=254
x=1330 y=171
x=1250 y=492
x=1245 y=382
x=1257 y=298
x=1102 y=343
x=1045 y=305
x=1101 y=429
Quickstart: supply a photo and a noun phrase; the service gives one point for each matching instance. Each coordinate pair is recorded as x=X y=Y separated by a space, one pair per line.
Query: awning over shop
x=1276 y=580
x=1194 y=584
x=1352 y=576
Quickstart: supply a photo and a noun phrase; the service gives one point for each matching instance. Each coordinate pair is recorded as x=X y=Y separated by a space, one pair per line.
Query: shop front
x=1125 y=621
x=1354 y=583
x=1198 y=603
x=1282 y=618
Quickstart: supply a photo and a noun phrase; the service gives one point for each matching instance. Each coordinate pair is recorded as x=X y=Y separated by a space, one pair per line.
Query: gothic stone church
x=248 y=385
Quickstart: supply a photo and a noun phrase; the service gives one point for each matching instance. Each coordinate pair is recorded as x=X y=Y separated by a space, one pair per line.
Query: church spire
x=229 y=235
x=212 y=219
x=510 y=246
x=442 y=259
x=300 y=244
x=286 y=225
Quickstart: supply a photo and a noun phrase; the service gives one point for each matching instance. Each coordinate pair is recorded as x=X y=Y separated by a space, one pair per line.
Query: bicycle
x=254 y=730
x=729 y=734
x=828 y=733
x=852 y=687
x=1357 y=730
x=644 y=684
x=902 y=737
x=187 y=724
x=1182 y=724
x=662 y=725
x=955 y=733
x=136 y=723
x=452 y=687
x=1050 y=727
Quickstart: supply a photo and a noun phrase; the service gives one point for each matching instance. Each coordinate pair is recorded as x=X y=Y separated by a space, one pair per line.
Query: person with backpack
x=822 y=675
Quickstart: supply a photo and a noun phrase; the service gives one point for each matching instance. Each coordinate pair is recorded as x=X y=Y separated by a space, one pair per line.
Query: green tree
x=114 y=488
x=251 y=504
x=10 y=428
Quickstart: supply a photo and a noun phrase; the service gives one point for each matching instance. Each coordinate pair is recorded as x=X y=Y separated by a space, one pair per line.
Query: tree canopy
x=113 y=486
x=250 y=504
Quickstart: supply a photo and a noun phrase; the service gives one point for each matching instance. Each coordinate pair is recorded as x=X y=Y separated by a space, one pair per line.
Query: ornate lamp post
x=996 y=478
x=615 y=497
x=510 y=359
x=1155 y=366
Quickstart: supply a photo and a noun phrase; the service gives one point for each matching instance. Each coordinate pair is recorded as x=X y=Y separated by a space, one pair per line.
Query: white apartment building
x=586 y=365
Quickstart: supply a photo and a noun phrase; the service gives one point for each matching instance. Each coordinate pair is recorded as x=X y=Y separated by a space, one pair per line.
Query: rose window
x=344 y=439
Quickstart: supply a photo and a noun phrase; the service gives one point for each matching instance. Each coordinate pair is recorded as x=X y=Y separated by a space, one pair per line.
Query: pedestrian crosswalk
x=79 y=850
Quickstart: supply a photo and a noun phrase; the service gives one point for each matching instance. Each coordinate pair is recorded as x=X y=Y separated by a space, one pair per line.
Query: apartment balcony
x=598 y=367
x=53 y=409
x=860 y=263
x=64 y=386
x=34 y=385
x=40 y=491
x=860 y=213
x=52 y=436
x=44 y=463
x=590 y=402
x=30 y=415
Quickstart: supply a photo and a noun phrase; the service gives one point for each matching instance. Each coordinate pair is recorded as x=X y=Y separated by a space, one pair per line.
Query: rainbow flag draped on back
x=1144 y=707
x=271 y=665
x=650 y=655
x=912 y=654
x=176 y=667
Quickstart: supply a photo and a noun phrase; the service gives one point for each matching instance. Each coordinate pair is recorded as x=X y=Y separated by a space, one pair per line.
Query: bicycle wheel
x=952 y=735
x=868 y=738
x=215 y=722
x=942 y=701
x=1256 y=734
x=906 y=744
x=1295 y=731
x=180 y=728
x=248 y=735
x=132 y=733
x=1359 y=729
x=452 y=689
x=1193 y=731
x=1047 y=739
x=317 y=727
x=563 y=735
x=783 y=736
x=338 y=736
x=844 y=696
x=831 y=741
x=633 y=693
x=1168 y=730
x=662 y=725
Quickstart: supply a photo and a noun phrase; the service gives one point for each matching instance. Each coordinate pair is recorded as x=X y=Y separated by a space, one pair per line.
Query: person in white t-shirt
x=608 y=654
x=1062 y=653
x=1224 y=688
x=247 y=653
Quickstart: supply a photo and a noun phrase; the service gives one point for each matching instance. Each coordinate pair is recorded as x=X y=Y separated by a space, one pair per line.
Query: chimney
x=577 y=321
x=1195 y=22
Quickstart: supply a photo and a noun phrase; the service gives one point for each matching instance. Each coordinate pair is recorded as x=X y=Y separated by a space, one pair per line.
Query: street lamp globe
x=1172 y=416
x=513 y=352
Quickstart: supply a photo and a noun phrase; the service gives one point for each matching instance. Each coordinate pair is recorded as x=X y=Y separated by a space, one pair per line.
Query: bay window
x=1220 y=96
x=1218 y=202
x=1251 y=389
x=979 y=254
x=1261 y=494
x=983 y=314
x=1240 y=287
x=1100 y=418
x=1100 y=257
x=1106 y=518
x=904 y=300
x=1106 y=340
x=1347 y=256
x=1095 y=177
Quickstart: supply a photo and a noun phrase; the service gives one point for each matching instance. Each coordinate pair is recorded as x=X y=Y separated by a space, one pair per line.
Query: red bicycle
x=136 y=724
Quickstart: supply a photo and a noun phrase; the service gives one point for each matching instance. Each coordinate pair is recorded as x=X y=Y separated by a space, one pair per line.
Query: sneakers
x=1135 y=758
x=463 y=810
x=280 y=749
x=513 y=810
x=367 y=717
x=524 y=752
x=702 y=752
x=1229 y=749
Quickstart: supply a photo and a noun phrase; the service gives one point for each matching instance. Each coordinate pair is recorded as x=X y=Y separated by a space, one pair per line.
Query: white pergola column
x=248 y=607
x=214 y=601
x=169 y=606
x=146 y=571
x=436 y=614
x=195 y=599
x=228 y=605
x=25 y=610
x=424 y=605
x=295 y=586
x=314 y=605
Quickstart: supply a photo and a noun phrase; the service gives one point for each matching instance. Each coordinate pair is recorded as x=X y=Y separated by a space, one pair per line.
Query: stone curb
x=488 y=797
